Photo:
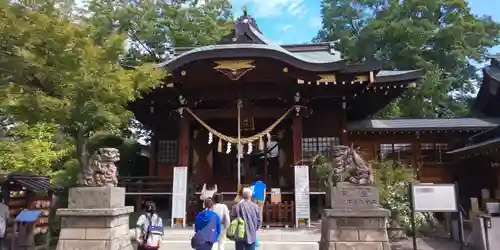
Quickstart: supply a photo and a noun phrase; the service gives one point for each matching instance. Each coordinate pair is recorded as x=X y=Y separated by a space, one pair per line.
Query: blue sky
x=297 y=21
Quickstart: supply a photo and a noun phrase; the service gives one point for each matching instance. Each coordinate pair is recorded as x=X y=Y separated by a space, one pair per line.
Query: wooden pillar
x=297 y=139
x=344 y=140
x=266 y=172
x=183 y=145
x=416 y=154
x=153 y=167
x=248 y=177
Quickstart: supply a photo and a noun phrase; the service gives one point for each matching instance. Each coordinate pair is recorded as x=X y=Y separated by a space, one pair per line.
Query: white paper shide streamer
x=210 y=138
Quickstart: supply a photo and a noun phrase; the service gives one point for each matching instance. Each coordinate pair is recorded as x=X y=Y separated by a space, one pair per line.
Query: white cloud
x=316 y=22
x=286 y=27
x=268 y=8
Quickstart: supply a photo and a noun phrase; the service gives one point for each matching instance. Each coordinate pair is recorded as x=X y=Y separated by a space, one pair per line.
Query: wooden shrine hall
x=478 y=158
x=292 y=102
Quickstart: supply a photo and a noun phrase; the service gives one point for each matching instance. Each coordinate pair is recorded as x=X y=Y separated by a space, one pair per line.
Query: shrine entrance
x=266 y=146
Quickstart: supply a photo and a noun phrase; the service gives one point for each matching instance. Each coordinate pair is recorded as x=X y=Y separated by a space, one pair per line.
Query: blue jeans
x=241 y=245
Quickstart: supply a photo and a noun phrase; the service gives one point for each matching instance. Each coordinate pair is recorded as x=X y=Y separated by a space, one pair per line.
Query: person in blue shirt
x=207 y=227
x=259 y=189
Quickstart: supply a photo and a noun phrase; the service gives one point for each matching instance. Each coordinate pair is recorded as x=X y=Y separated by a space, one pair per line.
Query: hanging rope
x=244 y=140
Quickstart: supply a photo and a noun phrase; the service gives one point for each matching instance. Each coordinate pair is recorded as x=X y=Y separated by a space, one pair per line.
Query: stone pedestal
x=96 y=218
x=356 y=222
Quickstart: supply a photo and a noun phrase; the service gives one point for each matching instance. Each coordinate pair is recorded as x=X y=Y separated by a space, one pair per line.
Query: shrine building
x=294 y=102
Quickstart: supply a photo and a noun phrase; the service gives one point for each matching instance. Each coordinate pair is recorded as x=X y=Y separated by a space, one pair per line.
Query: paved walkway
x=494 y=233
x=425 y=244
x=299 y=239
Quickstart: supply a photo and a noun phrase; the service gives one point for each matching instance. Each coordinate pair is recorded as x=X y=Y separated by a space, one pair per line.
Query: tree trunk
x=82 y=153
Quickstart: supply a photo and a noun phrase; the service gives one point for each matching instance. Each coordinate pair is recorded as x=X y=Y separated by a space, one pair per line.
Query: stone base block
x=96 y=220
x=347 y=229
x=96 y=197
x=355 y=246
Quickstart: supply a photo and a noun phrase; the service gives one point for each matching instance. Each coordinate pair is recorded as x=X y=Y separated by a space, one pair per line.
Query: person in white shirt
x=223 y=212
x=4 y=218
x=207 y=191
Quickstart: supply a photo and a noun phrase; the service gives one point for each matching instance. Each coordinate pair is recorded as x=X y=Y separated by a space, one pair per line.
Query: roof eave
x=407 y=76
x=417 y=129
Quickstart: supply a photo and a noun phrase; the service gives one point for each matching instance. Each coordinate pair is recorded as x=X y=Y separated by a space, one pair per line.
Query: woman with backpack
x=207 y=227
x=149 y=228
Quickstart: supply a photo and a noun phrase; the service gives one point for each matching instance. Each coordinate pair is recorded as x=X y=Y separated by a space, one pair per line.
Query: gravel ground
x=425 y=244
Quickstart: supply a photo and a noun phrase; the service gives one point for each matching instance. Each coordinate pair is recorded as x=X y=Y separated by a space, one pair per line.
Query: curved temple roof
x=248 y=41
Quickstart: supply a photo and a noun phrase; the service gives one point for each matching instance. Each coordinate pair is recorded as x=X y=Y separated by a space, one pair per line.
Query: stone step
x=264 y=245
x=265 y=235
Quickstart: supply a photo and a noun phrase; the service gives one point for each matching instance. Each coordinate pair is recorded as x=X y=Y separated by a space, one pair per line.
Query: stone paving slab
x=179 y=245
x=272 y=235
x=426 y=244
x=423 y=244
x=494 y=233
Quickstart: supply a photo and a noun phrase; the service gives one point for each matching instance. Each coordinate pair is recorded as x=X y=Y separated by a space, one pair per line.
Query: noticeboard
x=179 y=193
x=434 y=198
x=302 y=205
x=275 y=195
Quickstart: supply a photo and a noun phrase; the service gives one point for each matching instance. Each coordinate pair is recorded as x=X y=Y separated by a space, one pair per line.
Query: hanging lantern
x=210 y=138
x=228 y=149
x=250 y=148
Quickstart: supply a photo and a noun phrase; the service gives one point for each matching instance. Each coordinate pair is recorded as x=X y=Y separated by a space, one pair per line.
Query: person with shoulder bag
x=207 y=227
x=149 y=228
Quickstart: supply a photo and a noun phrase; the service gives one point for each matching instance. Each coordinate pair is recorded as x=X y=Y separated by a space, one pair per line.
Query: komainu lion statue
x=350 y=167
x=101 y=170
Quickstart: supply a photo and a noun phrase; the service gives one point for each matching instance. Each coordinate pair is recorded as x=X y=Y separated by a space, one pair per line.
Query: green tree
x=53 y=71
x=153 y=27
x=442 y=37
x=33 y=149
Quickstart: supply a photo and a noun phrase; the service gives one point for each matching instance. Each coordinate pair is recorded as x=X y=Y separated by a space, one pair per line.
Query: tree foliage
x=61 y=66
x=442 y=37
x=33 y=149
x=154 y=27
x=393 y=182
x=54 y=71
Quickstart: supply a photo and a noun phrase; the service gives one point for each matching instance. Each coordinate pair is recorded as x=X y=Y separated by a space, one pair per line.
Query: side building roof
x=437 y=124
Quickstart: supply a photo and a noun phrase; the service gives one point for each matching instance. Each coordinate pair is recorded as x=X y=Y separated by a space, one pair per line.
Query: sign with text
x=355 y=196
x=275 y=195
x=434 y=198
x=179 y=192
x=302 y=205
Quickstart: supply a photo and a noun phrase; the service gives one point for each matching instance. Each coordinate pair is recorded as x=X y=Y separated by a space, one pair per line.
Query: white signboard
x=302 y=206
x=179 y=192
x=434 y=198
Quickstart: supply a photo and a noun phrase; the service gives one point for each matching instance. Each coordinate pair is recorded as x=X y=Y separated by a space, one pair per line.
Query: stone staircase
x=270 y=239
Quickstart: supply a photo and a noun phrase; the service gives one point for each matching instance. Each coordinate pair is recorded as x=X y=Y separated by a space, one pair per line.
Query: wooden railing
x=146 y=184
x=280 y=214
x=275 y=215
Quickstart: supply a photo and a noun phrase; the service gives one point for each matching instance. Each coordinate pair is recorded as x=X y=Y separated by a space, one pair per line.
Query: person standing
x=207 y=227
x=149 y=228
x=4 y=218
x=259 y=189
x=207 y=191
x=247 y=211
x=223 y=212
